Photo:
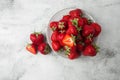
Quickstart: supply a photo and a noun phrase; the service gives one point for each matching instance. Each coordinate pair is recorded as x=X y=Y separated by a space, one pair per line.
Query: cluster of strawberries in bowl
x=74 y=34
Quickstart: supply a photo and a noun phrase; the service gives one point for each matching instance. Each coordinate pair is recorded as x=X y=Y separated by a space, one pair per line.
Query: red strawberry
x=69 y=40
x=88 y=40
x=75 y=13
x=66 y=17
x=87 y=30
x=72 y=30
x=56 y=46
x=97 y=28
x=80 y=22
x=31 y=48
x=44 y=48
x=77 y=22
x=72 y=52
x=62 y=24
x=54 y=25
x=73 y=21
x=90 y=50
x=60 y=38
x=80 y=47
x=85 y=21
x=54 y=36
x=37 y=38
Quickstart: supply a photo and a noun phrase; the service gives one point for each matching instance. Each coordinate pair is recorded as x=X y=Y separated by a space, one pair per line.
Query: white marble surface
x=18 y=18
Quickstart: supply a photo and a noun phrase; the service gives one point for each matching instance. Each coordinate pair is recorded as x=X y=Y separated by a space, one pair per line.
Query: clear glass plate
x=57 y=17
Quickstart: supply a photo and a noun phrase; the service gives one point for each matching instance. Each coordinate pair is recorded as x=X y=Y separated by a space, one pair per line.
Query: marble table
x=18 y=18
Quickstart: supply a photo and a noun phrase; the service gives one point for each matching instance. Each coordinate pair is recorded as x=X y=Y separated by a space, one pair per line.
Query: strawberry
x=71 y=52
x=75 y=13
x=89 y=39
x=44 y=48
x=37 y=38
x=66 y=17
x=90 y=50
x=85 y=21
x=77 y=22
x=56 y=46
x=54 y=36
x=87 y=30
x=72 y=30
x=69 y=40
x=73 y=21
x=80 y=47
x=31 y=48
x=54 y=25
x=62 y=24
x=97 y=28
x=80 y=22
x=60 y=38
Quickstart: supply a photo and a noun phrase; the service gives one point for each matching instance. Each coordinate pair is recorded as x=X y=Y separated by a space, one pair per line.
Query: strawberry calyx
x=47 y=49
x=61 y=25
x=37 y=33
x=79 y=29
x=89 y=21
x=67 y=51
x=62 y=31
x=53 y=28
x=75 y=22
x=74 y=39
x=90 y=36
x=61 y=50
x=96 y=47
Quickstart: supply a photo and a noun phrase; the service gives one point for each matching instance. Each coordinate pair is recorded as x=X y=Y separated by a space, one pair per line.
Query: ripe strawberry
x=44 y=48
x=72 y=30
x=90 y=50
x=60 y=38
x=56 y=45
x=87 y=30
x=37 y=38
x=97 y=28
x=62 y=24
x=75 y=13
x=54 y=25
x=77 y=22
x=85 y=21
x=54 y=36
x=72 y=52
x=69 y=40
x=80 y=47
x=88 y=40
x=31 y=48
x=73 y=21
x=80 y=22
x=66 y=17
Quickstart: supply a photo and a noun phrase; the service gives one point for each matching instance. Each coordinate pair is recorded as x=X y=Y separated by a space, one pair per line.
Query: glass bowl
x=56 y=17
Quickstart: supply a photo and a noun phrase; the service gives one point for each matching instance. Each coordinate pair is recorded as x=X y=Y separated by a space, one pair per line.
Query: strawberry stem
x=74 y=39
x=96 y=47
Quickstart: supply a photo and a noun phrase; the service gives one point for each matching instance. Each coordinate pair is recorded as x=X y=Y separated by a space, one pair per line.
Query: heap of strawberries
x=38 y=44
x=75 y=35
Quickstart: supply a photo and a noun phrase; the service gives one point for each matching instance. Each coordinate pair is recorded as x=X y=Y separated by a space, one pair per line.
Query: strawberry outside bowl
x=56 y=17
